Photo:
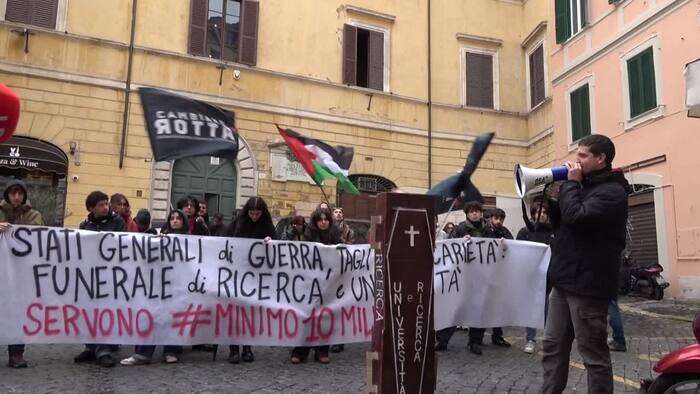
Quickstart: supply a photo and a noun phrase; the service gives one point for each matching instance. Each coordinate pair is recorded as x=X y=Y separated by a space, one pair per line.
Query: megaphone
x=527 y=179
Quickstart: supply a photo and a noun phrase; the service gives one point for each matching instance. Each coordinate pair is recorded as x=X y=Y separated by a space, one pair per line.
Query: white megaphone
x=527 y=179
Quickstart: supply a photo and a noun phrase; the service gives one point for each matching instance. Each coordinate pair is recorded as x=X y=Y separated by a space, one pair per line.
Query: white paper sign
x=478 y=284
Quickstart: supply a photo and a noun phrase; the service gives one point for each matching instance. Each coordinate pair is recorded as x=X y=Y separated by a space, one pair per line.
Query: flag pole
x=324 y=194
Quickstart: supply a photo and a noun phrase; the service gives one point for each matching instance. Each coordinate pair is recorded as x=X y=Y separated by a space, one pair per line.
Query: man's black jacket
x=590 y=227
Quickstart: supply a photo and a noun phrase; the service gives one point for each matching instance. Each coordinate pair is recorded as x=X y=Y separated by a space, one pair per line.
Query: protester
x=617 y=343
x=495 y=229
x=216 y=228
x=539 y=231
x=590 y=224
x=143 y=222
x=195 y=224
x=120 y=205
x=143 y=354
x=203 y=211
x=347 y=236
x=297 y=230
x=16 y=209
x=253 y=221
x=473 y=226
x=322 y=230
x=100 y=218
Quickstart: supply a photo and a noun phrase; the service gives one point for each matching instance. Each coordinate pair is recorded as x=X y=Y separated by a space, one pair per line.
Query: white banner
x=72 y=286
x=479 y=283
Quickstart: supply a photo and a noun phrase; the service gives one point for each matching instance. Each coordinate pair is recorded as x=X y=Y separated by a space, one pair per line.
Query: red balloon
x=9 y=112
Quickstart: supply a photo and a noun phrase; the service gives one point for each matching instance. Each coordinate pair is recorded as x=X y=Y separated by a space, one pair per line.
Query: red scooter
x=679 y=370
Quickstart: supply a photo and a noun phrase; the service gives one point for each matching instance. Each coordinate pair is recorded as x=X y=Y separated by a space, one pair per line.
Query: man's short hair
x=473 y=206
x=94 y=198
x=599 y=144
x=498 y=213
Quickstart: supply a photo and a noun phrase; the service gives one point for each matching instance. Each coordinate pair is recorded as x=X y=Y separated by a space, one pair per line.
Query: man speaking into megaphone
x=589 y=218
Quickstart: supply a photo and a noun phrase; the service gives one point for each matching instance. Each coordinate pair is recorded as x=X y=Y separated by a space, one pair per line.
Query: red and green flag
x=320 y=160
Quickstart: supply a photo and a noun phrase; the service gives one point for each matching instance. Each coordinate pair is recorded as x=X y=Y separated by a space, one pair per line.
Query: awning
x=692 y=86
x=26 y=153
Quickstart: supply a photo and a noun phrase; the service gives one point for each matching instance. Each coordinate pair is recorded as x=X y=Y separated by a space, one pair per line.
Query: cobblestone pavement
x=497 y=371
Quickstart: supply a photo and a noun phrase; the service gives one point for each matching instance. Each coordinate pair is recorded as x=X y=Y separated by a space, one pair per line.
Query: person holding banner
x=297 y=230
x=590 y=228
x=143 y=354
x=321 y=230
x=15 y=209
x=253 y=221
x=538 y=230
x=347 y=236
x=195 y=224
x=100 y=218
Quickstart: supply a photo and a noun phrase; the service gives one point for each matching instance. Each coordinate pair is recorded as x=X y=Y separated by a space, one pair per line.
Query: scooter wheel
x=675 y=383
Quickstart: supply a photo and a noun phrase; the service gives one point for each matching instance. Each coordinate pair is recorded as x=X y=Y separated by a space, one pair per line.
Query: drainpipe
x=127 y=92
x=430 y=107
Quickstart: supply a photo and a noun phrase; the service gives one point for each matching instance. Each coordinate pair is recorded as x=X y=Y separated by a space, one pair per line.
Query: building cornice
x=370 y=13
x=539 y=29
x=480 y=39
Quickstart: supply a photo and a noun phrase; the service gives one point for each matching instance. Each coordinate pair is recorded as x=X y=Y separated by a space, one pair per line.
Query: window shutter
x=479 y=80
x=648 y=79
x=249 y=32
x=537 y=76
x=349 y=55
x=18 y=11
x=635 y=88
x=562 y=11
x=584 y=12
x=580 y=113
x=198 y=27
x=44 y=13
x=376 y=60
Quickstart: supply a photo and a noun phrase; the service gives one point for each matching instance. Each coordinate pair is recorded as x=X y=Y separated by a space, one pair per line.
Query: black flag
x=454 y=191
x=181 y=127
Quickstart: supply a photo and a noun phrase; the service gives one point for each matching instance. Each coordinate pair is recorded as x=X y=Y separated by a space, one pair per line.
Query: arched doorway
x=42 y=166
x=207 y=178
x=361 y=207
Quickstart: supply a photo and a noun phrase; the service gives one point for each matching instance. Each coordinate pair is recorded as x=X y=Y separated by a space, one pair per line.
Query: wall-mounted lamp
x=74 y=151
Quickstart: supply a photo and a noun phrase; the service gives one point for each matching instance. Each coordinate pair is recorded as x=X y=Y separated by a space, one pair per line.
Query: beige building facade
x=350 y=73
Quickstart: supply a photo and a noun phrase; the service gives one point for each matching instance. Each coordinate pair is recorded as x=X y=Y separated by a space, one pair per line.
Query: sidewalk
x=681 y=310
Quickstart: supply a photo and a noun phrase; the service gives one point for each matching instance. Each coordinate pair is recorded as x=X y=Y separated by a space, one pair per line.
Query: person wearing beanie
x=15 y=209
x=143 y=222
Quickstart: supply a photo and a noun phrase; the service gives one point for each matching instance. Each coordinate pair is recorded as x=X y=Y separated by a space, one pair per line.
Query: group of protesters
x=190 y=216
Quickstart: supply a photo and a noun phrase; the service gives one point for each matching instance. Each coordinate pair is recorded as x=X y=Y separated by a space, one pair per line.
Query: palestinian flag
x=320 y=160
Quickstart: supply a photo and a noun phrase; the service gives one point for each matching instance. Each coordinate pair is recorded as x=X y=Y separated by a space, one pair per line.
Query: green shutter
x=562 y=10
x=642 y=83
x=580 y=113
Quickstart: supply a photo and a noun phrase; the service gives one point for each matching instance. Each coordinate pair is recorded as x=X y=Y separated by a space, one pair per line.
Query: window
x=479 y=80
x=224 y=30
x=580 y=113
x=536 y=76
x=363 y=57
x=642 y=82
x=41 y=13
x=571 y=16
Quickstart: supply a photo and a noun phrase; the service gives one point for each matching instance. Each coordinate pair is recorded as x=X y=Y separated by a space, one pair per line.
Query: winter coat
x=131 y=225
x=543 y=234
x=347 y=236
x=111 y=222
x=245 y=228
x=479 y=229
x=196 y=227
x=331 y=236
x=24 y=214
x=290 y=235
x=501 y=232
x=589 y=221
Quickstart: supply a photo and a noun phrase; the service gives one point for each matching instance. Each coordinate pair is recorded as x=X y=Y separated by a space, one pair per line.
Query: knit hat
x=143 y=218
x=16 y=183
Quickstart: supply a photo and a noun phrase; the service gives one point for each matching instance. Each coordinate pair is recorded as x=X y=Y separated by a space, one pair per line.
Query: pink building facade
x=617 y=68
